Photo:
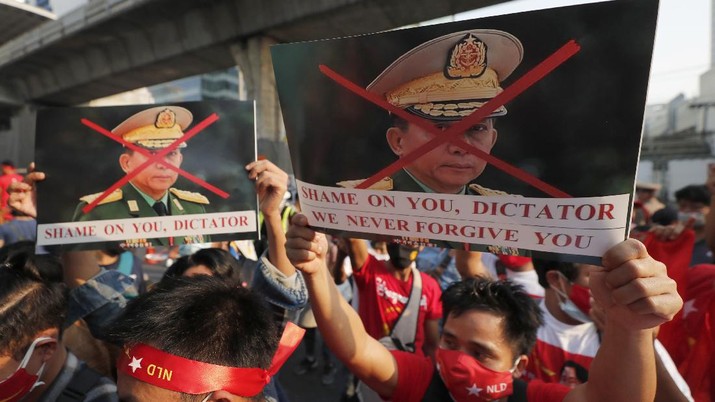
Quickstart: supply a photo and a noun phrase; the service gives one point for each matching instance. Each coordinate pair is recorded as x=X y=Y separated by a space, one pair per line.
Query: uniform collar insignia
x=467 y=59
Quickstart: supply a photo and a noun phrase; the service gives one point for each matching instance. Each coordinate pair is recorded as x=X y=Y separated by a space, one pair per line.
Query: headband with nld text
x=175 y=373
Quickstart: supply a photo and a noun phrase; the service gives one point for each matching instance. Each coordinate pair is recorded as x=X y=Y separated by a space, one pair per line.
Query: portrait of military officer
x=150 y=192
x=444 y=80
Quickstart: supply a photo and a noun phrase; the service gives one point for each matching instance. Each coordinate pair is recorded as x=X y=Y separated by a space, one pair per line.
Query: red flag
x=698 y=367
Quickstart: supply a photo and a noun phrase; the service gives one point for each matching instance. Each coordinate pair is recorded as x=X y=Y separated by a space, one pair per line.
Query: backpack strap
x=80 y=384
x=405 y=329
x=519 y=394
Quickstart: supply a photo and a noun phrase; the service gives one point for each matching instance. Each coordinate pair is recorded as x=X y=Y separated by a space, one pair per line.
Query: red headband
x=175 y=373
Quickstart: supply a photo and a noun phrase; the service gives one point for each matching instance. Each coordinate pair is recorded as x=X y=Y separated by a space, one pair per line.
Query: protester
x=20 y=228
x=384 y=289
x=520 y=270
x=208 y=261
x=693 y=208
x=186 y=328
x=570 y=336
x=438 y=263
x=647 y=196
x=490 y=327
x=34 y=365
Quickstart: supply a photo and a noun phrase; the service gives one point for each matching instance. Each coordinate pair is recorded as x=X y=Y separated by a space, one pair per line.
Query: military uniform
x=401 y=181
x=126 y=202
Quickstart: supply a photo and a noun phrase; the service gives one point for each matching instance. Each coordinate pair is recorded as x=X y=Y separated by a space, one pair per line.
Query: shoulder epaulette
x=189 y=196
x=384 y=184
x=485 y=191
x=115 y=195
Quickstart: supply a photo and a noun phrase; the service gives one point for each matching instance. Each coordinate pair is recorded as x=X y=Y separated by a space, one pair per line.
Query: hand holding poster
x=573 y=81
x=183 y=179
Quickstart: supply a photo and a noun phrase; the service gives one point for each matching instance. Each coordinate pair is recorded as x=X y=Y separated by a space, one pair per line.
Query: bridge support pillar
x=253 y=58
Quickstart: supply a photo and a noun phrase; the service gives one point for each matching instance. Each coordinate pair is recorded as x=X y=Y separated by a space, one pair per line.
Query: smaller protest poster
x=516 y=134
x=146 y=175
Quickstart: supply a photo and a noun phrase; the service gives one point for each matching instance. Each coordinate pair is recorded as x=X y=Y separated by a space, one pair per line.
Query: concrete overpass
x=110 y=46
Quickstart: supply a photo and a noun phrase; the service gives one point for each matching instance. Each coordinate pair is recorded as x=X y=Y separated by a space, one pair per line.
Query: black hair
x=220 y=262
x=47 y=267
x=203 y=318
x=29 y=304
x=581 y=372
x=665 y=216
x=522 y=317
x=568 y=269
x=694 y=193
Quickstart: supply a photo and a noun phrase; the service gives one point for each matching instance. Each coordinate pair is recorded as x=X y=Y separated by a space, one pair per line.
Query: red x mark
x=454 y=133
x=153 y=158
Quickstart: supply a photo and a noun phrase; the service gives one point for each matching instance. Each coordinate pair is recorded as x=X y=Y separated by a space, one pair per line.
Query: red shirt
x=383 y=297
x=414 y=374
x=5 y=181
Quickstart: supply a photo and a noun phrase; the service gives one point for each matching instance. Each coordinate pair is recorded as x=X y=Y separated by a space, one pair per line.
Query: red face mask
x=513 y=261
x=581 y=297
x=20 y=383
x=468 y=380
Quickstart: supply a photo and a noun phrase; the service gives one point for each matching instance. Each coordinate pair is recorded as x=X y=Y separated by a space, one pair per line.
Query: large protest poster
x=107 y=166
x=553 y=100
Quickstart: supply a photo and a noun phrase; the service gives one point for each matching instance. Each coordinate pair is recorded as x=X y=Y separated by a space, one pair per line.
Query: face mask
x=514 y=261
x=698 y=219
x=21 y=383
x=468 y=380
x=401 y=256
x=577 y=305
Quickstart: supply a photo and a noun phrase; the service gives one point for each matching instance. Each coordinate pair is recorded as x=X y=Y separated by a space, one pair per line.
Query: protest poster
x=515 y=134
x=107 y=166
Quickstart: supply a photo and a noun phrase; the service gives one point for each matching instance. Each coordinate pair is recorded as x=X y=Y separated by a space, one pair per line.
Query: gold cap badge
x=165 y=119
x=468 y=58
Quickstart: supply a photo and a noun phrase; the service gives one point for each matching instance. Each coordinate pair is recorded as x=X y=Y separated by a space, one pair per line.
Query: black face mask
x=401 y=256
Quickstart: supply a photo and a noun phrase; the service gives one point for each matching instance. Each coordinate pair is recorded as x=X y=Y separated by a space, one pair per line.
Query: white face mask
x=569 y=307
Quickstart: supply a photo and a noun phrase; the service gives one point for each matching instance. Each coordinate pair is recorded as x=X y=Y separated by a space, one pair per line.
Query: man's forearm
x=276 y=244
x=357 y=251
x=339 y=324
x=624 y=366
x=345 y=335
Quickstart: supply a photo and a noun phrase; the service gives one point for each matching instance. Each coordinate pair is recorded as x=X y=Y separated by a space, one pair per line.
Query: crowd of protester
x=409 y=323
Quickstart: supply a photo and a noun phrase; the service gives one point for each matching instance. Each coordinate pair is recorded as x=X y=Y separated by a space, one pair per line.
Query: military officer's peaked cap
x=155 y=128
x=450 y=77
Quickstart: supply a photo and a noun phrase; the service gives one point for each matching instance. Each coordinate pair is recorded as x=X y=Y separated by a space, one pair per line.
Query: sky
x=682 y=44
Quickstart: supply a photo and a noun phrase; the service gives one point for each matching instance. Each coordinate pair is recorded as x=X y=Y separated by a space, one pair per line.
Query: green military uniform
x=127 y=202
x=401 y=181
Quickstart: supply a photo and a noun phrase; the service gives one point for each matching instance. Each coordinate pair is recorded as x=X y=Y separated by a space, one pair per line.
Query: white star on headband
x=135 y=364
x=474 y=390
